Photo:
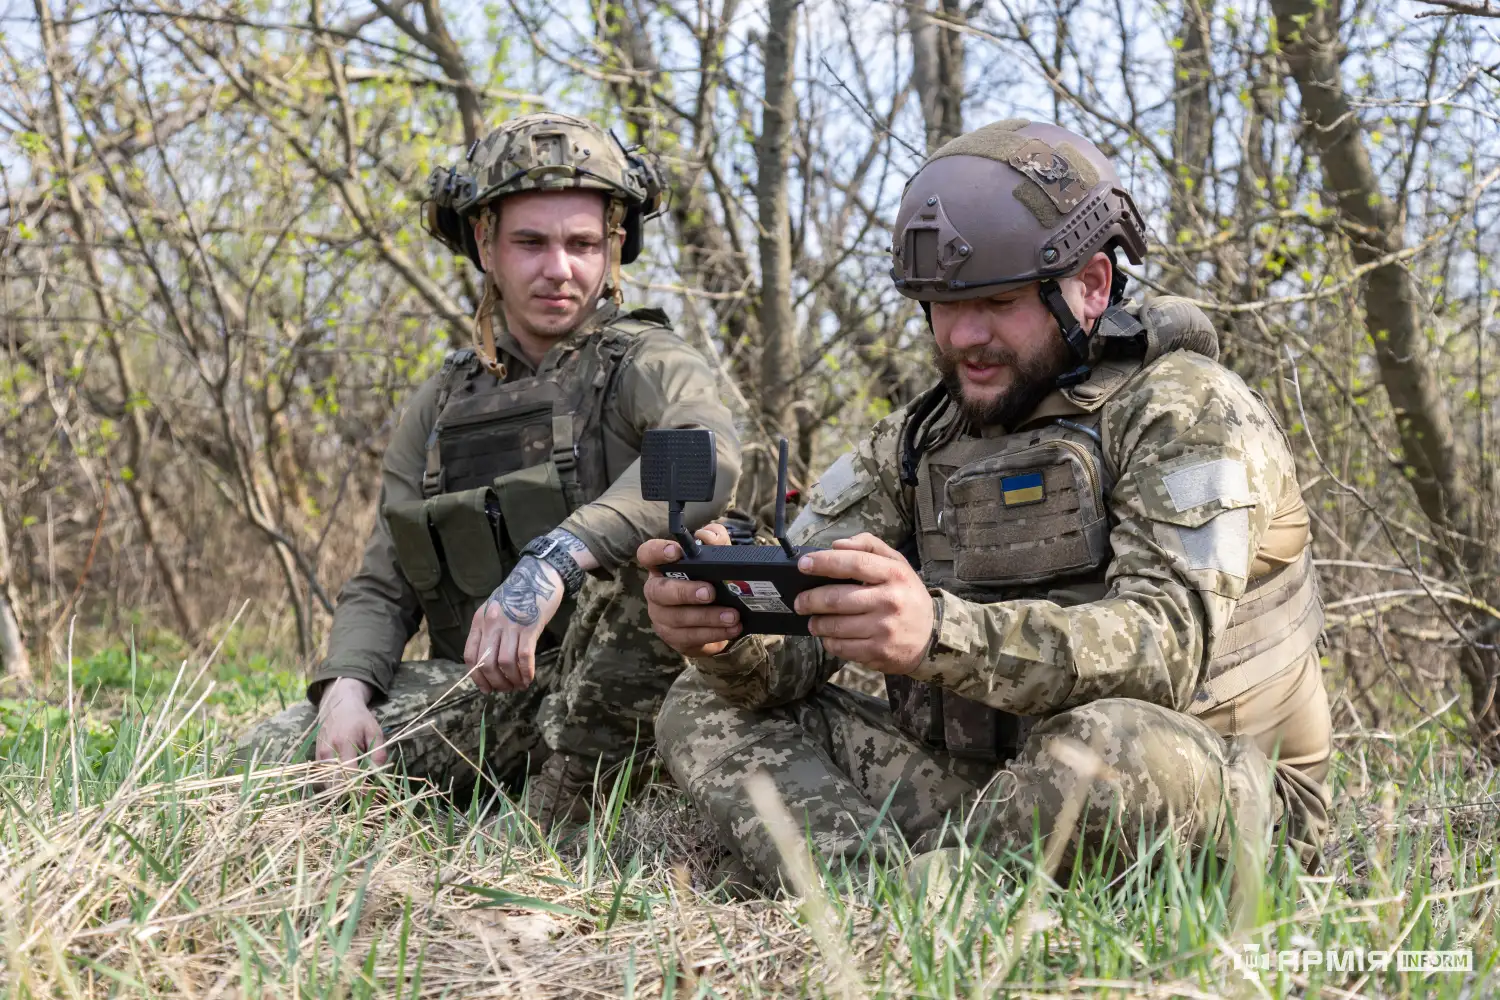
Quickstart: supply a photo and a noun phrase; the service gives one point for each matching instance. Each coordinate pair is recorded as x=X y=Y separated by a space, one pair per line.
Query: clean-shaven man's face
x=547 y=255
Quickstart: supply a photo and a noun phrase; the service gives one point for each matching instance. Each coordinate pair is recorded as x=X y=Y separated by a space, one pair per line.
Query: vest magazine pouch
x=1027 y=515
x=532 y=502
x=463 y=527
x=415 y=552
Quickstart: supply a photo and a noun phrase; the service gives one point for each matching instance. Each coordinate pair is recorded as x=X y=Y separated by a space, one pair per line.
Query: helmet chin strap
x=484 y=332
x=614 y=237
x=1072 y=332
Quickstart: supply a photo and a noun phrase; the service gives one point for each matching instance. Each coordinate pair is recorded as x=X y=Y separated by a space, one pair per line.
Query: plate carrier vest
x=973 y=545
x=506 y=462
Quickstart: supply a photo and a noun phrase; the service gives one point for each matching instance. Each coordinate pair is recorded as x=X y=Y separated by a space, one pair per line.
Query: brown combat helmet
x=1007 y=204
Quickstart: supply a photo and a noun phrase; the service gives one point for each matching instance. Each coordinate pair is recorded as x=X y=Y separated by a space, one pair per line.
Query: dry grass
x=133 y=864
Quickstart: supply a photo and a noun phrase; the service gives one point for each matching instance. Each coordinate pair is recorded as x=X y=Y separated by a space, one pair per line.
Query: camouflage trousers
x=615 y=673
x=438 y=726
x=860 y=786
x=595 y=697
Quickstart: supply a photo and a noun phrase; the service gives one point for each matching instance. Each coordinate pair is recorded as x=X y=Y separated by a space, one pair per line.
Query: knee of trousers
x=279 y=739
x=1155 y=765
x=677 y=721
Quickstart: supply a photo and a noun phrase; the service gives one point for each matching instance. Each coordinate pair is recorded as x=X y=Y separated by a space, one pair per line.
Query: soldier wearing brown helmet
x=512 y=479
x=1082 y=559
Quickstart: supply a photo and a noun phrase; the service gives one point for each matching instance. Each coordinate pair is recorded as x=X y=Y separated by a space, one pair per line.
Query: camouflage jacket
x=1151 y=635
x=666 y=384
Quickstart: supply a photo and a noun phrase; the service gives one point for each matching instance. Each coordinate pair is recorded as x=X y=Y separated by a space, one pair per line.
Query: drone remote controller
x=761 y=582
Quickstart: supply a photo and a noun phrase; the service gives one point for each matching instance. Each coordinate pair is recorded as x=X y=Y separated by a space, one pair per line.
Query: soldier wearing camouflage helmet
x=1083 y=562
x=510 y=503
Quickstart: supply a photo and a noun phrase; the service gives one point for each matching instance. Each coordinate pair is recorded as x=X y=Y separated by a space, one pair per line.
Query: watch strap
x=555 y=554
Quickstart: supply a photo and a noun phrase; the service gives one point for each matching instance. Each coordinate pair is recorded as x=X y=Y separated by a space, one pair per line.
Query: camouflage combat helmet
x=542 y=152
x=1009 y=204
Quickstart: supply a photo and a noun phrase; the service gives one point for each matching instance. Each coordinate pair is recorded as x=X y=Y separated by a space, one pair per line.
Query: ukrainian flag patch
x=1020 y=490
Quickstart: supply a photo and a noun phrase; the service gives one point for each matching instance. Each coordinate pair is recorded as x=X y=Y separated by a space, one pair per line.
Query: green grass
x=132 y=863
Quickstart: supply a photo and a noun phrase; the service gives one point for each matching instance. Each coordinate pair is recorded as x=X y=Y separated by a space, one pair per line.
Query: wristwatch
x=552 y=552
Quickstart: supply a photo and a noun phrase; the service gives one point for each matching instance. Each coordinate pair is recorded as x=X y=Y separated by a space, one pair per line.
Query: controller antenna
x=690 y=545
x=786 y=546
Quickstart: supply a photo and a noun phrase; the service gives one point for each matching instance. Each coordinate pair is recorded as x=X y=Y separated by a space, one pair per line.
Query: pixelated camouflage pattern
x=437 y=725
x=861 y=787
x=615 y=673
x=1148 y=640
x=834 y=756
x=1153 y=633
x=1149 y=637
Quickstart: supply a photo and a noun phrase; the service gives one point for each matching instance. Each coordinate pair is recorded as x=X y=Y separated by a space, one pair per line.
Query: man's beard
x=1034 y=379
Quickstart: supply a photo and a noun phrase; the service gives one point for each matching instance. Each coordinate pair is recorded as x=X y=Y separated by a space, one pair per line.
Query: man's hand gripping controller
x=761 y=582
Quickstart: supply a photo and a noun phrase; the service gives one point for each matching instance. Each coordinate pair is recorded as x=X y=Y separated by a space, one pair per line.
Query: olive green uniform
x=1127 y=570
x=462 y=492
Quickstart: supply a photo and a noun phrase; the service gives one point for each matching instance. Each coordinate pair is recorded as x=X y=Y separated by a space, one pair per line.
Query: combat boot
x=562 y=792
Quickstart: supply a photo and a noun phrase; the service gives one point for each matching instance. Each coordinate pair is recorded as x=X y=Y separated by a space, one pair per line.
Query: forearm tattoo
x=524 y=591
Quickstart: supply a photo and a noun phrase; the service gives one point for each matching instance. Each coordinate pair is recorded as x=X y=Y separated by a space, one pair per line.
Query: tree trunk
x=778 y=321
x=1308 y=33
x=137 y=433
x=14 y=661
x=938 y=68
x=1192 y=133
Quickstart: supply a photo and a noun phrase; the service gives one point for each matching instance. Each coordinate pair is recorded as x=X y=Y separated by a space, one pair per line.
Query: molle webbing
x=933 y=542
x=1026 y=546
x=455 y=366
x=509 y=459
x=973 y=532
x=1275 y=623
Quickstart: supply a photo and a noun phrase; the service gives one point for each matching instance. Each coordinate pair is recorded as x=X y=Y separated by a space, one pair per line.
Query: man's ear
x=1096 y=277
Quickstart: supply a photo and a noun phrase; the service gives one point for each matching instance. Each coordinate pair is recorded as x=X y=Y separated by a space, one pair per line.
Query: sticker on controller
x=758 y=595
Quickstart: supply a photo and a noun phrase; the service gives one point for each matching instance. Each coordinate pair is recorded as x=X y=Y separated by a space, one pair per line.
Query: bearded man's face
x=999 y=356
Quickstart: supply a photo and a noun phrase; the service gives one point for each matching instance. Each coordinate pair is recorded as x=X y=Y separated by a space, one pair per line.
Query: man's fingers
x=851 y=564
x=487 y=673
x=844 y=599
x=658 y=552
x=844 y=626
x=713 y=533
x=526 y=659
x=866 y=542
x=660 y=590
x=479 y=667
x=695 y=617
x=375 y=742
x=866 y=652
x=691 y=638
x=508 y=677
